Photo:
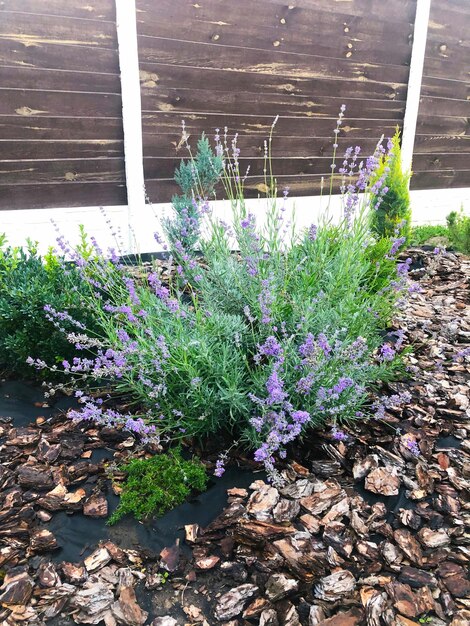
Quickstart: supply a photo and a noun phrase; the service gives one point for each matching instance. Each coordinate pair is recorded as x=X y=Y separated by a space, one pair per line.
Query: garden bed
x=368 y=527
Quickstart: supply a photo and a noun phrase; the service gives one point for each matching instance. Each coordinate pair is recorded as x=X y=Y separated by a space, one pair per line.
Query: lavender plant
x=271 y=334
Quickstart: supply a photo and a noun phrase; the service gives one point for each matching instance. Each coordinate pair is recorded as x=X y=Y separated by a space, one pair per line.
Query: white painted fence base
x=429 y=207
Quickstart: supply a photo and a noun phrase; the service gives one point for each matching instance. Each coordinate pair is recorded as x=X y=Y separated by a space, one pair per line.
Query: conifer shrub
x=197 y=179
x=391 y=205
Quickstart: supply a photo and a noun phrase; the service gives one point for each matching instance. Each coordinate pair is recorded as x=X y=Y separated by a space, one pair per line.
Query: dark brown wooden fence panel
x=239 y=64
x=442 y=146
x=61 y=138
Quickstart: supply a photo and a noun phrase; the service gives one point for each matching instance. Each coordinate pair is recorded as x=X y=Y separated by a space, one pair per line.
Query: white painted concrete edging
x=429 y=207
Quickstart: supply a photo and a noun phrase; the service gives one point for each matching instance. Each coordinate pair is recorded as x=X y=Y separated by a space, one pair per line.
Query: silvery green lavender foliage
x=254 y=346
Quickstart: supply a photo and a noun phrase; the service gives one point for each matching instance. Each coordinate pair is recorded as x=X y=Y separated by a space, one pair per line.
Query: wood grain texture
x=165 y=168
x=442 y=146
x=26 y=102
x=211 y=56
x=260 y=126
x=95 y=9
x=230 y=102
x=51 y=195
x=441 y=180
x=32 y=172
x=338 y=34
x=60 y=149
x=64 y=128
x=161 y=190
x=61 y=138
x=34 y=30
x=161 y=75
x=58 y=56
x=167 y=145
x=206 y=63
x=51 y=80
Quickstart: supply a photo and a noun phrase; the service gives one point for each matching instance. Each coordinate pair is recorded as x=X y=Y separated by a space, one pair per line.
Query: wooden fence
x=217 y=63
x=60 y=105
x=442 y=144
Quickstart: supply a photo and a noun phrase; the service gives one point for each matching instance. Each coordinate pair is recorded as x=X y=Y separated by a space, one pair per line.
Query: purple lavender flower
x=271 y=347
x=313 y=232
x=262 y=454
x=219 y=467
x=396 y=245
x=387 y=353
x=403 y=268
x=462 y=354
x=274 y=386
x=343 y=384
x=301 y=417
x=266 y=299
x=322 y=342
x=339 y=435
x=410 y=442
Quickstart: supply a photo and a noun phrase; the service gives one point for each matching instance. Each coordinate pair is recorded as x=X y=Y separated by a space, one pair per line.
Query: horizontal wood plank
x=161 y=168
x=25 y=103
x=396 y=11
x=453 y=65
x=32 y=127
x=445 y=88
x=441 y=162
x=35 y=30
x=441 y=180
x=166 y=76
x=62 y=171
x=252 y=146
x=52 y=80
x=162 y=190
x=58 y=56
x=432 y=124
x=61 y=195
x=281 y=166
x=306 y=147
x=399 y=12
x=260 y=125
x=50 y=149
x=232 y=102
x=96 y=10
x=448 y=107
x=441 y=144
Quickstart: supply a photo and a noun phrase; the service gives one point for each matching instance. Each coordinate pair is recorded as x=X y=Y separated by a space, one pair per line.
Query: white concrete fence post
x=415 y=80
x=126 y=25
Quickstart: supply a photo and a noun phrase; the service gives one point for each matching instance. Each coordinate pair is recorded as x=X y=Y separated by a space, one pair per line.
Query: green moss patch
x=156 y=485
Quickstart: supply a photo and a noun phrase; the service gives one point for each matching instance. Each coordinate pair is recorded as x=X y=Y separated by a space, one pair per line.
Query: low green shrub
x=158 y=484
x=391 y=201
x=420 y=235
x=28 y=283
x=458 y=225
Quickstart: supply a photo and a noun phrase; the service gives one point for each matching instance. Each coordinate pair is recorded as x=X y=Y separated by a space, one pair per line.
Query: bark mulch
x=374 y=532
